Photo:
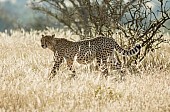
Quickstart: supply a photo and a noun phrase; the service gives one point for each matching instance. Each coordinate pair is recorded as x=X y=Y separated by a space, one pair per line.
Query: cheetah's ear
x=53 y=35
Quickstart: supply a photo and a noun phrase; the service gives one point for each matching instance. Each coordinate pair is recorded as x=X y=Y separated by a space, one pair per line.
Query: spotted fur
x=99 y=48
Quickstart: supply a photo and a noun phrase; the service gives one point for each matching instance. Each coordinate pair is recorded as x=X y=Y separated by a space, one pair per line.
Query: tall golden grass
x=24 y=67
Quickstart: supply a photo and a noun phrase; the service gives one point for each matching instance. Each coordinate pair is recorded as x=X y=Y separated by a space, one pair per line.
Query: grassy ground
x=24 y=67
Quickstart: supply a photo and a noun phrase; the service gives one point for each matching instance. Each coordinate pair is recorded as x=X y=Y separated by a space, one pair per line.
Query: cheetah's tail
x=130 y=52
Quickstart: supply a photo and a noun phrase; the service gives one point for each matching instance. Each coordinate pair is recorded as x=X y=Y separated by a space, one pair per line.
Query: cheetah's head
x=46 y=41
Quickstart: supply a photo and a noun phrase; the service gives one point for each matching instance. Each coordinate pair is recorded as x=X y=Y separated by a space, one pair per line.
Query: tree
x=135 y=20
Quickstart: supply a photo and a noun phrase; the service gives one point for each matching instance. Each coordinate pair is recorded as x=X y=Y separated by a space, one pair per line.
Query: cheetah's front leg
x=55 y=67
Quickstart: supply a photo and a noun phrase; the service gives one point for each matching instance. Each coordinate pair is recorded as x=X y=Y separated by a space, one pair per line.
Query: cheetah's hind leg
x=73 y=74
x=70 y=66
x=52 y=74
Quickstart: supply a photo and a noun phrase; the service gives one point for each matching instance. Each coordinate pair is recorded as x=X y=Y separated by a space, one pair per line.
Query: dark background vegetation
x=16 y=14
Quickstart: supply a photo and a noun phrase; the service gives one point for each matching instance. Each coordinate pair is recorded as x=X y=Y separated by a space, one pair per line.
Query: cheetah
x=99 y=48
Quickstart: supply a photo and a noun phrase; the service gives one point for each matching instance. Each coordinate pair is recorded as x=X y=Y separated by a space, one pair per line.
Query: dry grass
x=24 y=68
